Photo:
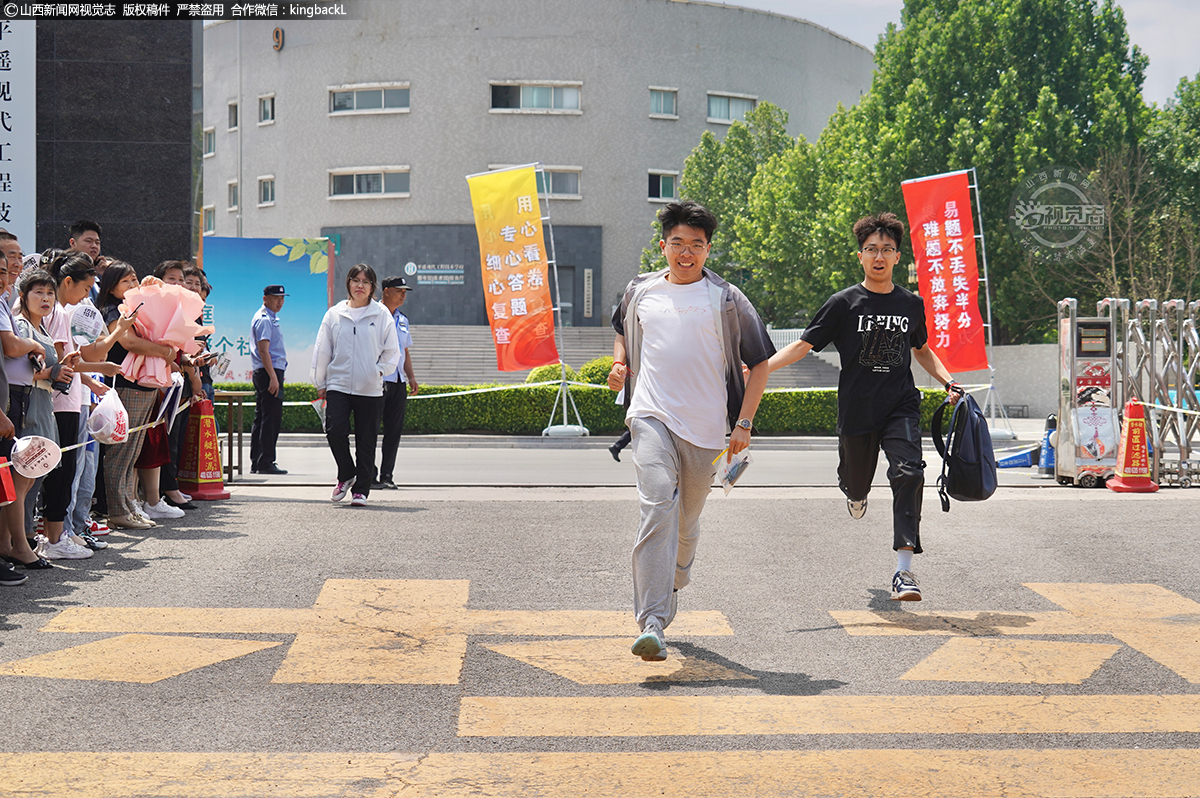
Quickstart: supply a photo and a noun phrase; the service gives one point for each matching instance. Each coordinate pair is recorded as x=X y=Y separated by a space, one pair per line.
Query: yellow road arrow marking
x=398 y=631
x=143 y=659
x=974 y=659
x=607 y=660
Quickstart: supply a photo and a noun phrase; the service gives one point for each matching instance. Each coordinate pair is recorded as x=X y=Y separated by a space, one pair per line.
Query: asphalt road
x=463 y=639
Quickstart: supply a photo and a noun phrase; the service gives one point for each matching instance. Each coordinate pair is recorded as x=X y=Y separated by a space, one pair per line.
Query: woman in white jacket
x=356 y=348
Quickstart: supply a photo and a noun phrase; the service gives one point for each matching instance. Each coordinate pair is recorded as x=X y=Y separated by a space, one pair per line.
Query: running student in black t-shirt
x=878 y=328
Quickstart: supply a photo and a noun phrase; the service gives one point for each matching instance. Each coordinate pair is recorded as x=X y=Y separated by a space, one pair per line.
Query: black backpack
x=968 y=462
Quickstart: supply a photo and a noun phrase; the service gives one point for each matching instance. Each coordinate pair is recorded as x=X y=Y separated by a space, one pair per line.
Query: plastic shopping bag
x=730 y=472
x=109 y=422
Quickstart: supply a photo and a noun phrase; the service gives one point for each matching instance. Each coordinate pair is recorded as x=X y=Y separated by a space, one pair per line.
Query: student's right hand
x=616 y=377
x=7 y=430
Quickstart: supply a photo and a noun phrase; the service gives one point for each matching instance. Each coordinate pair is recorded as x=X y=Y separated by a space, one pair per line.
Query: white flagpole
x=566 y=429
x=993 y=403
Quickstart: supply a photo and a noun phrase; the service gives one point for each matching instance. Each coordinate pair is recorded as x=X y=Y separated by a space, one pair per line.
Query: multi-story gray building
x=364 y=130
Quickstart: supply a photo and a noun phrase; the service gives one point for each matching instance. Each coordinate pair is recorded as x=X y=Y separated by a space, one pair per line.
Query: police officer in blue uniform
x=269 y=359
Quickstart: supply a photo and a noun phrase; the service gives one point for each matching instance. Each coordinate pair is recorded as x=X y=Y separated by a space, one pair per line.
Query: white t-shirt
x=681 y=381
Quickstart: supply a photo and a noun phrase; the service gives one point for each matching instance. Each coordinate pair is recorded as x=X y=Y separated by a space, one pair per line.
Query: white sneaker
x=341 y=489
x=64 y=549
x=161 y=510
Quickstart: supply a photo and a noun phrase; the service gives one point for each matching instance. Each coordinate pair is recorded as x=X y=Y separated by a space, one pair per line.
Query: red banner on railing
x=943 y=242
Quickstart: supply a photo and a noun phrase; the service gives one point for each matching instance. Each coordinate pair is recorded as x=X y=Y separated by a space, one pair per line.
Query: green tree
x=718 y=175
x=1006 y=86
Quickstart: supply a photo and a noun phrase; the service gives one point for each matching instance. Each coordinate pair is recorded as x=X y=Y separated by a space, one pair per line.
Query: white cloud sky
x=1166 y=30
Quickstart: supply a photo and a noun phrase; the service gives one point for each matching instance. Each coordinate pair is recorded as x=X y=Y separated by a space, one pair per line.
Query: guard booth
x=1088 y=402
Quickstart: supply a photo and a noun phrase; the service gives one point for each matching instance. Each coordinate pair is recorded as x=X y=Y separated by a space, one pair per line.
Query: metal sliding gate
x=1155 y=360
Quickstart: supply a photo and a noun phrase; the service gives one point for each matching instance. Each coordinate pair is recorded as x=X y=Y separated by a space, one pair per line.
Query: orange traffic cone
x=1133 y=457
x=200 y=461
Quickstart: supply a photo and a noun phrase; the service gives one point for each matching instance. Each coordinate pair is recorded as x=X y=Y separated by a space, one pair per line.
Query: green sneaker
x=650 y=645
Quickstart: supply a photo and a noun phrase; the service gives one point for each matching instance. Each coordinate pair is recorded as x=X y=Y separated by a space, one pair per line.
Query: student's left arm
x=933 y=365
x=740 y=438
x=755 y=346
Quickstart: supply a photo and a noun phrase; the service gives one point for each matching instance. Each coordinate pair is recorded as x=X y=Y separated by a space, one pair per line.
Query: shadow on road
x=769 y=682
x=901 y=615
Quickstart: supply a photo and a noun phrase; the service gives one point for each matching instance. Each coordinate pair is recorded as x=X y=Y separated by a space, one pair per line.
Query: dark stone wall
x=114 y=136
x=387 y=248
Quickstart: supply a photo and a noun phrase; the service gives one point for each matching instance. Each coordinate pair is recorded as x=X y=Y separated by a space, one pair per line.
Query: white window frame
x=667 y=173
x=262 y=179
x=233 y=184
x=551 y=84
x=362 y=170
x=395 y=84
x=578 y=170
x=238 y=112
x=204 y=134
x=205 y=210
x=264 y=122
x=674 y=91
x=712 y=120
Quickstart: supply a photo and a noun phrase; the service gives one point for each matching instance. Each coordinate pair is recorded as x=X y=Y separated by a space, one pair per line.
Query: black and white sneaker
x=9 y=576
x=904 y=587
x=857 y=508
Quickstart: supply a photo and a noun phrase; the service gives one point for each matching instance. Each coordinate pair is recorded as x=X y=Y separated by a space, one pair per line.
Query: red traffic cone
x=200 y=461
x=1133 y=457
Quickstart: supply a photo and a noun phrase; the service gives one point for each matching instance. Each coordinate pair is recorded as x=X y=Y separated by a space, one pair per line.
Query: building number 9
x=277 y=37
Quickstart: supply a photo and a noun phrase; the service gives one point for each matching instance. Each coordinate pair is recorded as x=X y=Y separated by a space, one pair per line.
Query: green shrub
x=596 y=371
x=526 y=411
x=553 y=371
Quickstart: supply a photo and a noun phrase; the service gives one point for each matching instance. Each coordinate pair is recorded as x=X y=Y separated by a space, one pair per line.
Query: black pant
x=900 y=439
x=338 y=407
x=168 y=479
x=268 y=415
x=395 y=402
x=56 y=490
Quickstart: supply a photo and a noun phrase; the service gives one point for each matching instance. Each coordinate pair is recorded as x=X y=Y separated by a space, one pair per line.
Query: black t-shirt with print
x=874 y=334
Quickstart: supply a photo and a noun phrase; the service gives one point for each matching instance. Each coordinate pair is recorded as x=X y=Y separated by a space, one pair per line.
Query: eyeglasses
x=875 y=251
x=366 y=283
x=679 y=249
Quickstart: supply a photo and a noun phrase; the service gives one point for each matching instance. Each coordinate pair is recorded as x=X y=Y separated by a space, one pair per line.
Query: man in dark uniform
x=269 y=359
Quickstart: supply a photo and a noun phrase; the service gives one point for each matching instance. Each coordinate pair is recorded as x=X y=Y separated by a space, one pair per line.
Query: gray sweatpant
x=674 y=478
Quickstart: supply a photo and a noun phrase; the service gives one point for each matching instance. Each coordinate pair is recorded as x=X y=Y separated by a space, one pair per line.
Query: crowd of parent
x=68 y=339
x=70 y=334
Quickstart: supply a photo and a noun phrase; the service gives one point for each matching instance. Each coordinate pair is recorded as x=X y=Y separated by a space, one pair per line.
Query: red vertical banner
x=513 y=259
x=943 y=242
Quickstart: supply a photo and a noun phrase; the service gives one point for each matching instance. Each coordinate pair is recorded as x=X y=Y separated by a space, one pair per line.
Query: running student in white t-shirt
x=683 y=334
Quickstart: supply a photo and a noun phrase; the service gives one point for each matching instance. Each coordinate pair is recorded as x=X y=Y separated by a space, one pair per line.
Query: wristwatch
x=745 y=423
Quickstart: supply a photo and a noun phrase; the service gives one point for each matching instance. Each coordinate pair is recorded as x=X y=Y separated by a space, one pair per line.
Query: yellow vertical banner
x=513 y=260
